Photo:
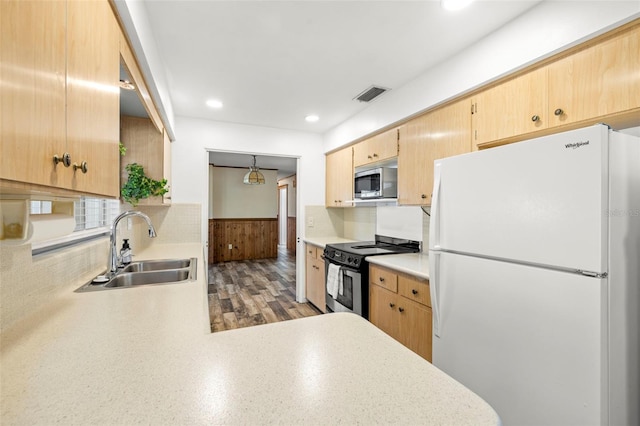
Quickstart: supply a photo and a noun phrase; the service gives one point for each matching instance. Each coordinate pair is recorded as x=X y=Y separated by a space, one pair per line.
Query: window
x=93 y=217
x=92 y=213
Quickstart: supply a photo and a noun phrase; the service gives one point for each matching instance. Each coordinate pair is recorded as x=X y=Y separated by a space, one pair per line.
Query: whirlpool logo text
x=576 y=145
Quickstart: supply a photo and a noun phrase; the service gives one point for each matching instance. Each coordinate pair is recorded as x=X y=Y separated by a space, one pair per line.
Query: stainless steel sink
x=156 y=265
x=147 y=272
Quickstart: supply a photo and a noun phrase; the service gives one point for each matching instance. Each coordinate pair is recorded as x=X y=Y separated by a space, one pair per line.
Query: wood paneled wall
x=249 y=239
x=291 y=234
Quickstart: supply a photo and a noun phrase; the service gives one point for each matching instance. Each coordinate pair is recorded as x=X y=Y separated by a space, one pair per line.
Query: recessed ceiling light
x=312 y=118
x=214 y=103
x=454 y=4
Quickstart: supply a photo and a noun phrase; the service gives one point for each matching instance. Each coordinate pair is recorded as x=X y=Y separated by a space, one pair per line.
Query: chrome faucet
x=113 y=249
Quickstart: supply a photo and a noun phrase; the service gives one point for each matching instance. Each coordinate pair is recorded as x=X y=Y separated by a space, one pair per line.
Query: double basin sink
x=146 y=272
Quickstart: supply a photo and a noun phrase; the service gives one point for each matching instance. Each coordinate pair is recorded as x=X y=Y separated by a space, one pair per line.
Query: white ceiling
x=273 y=62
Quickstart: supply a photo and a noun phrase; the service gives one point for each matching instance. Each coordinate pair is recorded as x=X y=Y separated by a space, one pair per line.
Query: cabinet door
x=598 y=81
x=377 y=148
x=383 y=310
x=339 y=178
x=32 y=91
x=315 y=277
x=149 y=147
x=516 y=107
x=93 y=96
x=166 y=165
x=415 y=327
x=442 y=133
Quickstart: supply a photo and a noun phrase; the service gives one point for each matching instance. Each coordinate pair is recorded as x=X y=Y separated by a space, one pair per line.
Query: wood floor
x=251 y=292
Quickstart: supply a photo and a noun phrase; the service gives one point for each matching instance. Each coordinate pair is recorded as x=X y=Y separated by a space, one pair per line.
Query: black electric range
x=353 y=254
x=347 y=271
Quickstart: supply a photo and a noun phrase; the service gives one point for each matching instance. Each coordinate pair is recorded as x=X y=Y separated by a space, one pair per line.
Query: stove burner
x=353 y=254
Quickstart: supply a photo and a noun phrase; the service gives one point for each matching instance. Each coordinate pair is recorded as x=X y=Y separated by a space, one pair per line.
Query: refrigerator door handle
x=434 y=223
x=434 y=289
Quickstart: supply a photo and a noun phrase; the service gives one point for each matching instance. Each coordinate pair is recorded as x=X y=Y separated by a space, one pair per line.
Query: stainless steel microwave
x=380 y=182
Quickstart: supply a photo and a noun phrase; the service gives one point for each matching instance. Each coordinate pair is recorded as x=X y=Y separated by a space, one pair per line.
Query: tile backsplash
x=27 y=282
x=178 y=223
x=361 y=223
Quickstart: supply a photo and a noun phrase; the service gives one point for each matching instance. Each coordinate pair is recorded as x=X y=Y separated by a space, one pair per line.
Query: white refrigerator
x=534 y=253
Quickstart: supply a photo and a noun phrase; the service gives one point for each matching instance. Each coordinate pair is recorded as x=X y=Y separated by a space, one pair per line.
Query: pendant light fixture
x=254 y=177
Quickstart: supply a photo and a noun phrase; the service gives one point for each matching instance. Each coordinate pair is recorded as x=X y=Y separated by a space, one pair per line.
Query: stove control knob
x=356 y=261
x=349 y=259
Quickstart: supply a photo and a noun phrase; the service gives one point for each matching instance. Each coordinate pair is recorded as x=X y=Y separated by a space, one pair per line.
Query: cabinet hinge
x=398 y=135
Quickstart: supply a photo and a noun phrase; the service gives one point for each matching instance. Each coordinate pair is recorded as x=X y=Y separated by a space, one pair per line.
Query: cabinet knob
x=414 y=291
x=83 y=167
x=423 y=196
x=558 y=112
x=535 y=118
x=65 y=159
x=391 y=305
x=381 y=279
x=369 y=157
x=401 y=309
x=375 y=155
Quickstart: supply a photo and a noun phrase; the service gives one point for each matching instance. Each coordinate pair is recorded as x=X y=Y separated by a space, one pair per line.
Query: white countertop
x=145 y=355
x=323 y=241
x=416 y=264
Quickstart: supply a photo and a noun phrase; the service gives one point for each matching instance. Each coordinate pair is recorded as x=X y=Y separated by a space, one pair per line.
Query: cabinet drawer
x=383 y=278
x=313 y=251
x=415 y=290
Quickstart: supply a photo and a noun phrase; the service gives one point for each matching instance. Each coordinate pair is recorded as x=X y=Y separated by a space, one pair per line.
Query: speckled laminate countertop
x=145 y=356
x=323 y=241
x=416 y=264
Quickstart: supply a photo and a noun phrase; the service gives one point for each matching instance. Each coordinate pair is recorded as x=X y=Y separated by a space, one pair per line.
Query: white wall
x=292 y=200
x=190 y=164
x=231 y=198
x=547 y=28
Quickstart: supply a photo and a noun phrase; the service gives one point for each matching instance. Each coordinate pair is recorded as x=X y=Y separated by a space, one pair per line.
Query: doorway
x=287 y=170
x=283 y=214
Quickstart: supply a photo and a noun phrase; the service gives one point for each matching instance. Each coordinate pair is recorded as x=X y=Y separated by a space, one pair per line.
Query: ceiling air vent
x=370 y=94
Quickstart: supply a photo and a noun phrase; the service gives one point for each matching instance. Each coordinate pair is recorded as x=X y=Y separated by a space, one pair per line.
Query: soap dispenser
x=125 y=252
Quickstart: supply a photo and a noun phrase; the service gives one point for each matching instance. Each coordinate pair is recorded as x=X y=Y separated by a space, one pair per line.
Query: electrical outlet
x=230 y=246
x=310 y=221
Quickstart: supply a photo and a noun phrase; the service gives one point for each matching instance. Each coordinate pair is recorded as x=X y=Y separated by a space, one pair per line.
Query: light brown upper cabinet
x=339 y=178
x=145 y=138
x=598 y=81
x=441 y=133
x=515 y=107
x=149 y=148
x=32 y=92
x=377 y=148
x=59 y=95
x=93 y=96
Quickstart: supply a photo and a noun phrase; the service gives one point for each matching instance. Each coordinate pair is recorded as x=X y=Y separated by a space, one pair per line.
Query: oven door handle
x=343 y=267
x=349 y=271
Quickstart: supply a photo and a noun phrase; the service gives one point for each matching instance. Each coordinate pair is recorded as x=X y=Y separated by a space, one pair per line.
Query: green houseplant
x=140 y=186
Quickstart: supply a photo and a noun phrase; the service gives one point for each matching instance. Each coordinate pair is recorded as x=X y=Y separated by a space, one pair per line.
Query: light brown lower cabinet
x=314 y=277
x=402 y=311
